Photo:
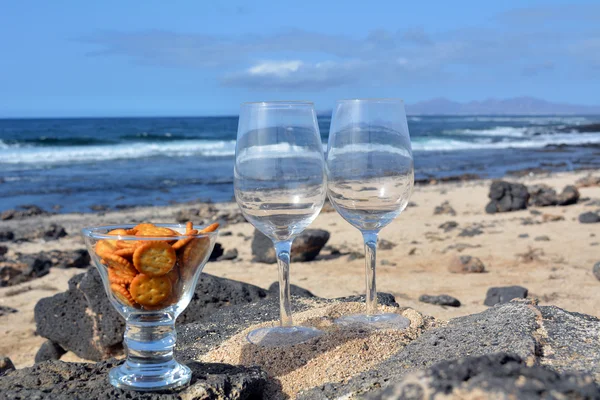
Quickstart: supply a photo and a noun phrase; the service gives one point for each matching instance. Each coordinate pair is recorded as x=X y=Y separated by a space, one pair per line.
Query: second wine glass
x=370 y=177
x=279 y=181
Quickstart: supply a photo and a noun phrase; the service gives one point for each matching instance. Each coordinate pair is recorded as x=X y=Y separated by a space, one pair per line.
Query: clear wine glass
x=370 y=176
x=279 y=181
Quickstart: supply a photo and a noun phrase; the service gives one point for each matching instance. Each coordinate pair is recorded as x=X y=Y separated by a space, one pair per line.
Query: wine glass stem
x=283 y=250
x=370 y=239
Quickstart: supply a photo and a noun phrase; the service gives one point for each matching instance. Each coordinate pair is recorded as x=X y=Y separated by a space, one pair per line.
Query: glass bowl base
x=150 y=377
x=375 y=321
x=282 y=335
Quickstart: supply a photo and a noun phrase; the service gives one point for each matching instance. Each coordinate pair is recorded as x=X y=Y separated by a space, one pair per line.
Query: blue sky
x=112 y=58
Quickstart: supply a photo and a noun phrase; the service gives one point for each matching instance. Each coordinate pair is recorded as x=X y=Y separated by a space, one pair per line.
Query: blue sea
x=70 y=165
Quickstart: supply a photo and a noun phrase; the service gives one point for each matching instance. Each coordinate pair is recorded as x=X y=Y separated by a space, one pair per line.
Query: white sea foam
x=496 y=131
x=65 y=155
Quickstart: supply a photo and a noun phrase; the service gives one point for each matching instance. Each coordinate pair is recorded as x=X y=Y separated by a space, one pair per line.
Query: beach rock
x=506 y=196
x=492 y=376
x=466 y=264
x=470 y=232
x=59 y=380
x=523 y=236
x=5 y=310
x=444 y=209
x=52 y=232
x=83 y=321
x=3 y=250
x=99 y=207
x=589 y=217
x=542 y=238
x=588 y=181
x=294 y=290
x=440 y=300
x=552 y=218
x=49 y=351
x=225 y=233
x=6 y=366
x=596 y=270
x=11 y=276
x=36 y=265
x=24 y=212
x=501 y=295
x=230 y=254
x=448 y=226
x=217 y=252
x=569 y=195
x=392 y=264
x=383 y=244
x=569 y=346
x=355 y=255
x=6 y=235
x=306 y=246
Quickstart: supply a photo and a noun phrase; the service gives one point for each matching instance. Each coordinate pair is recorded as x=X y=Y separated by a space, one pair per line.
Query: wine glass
x=370 y=176
x=279 y=181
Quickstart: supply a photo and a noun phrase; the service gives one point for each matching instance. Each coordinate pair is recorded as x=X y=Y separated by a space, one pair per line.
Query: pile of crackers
x=150 y=274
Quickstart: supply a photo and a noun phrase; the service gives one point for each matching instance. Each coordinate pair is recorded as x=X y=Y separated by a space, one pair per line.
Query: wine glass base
x=282 y=336
x=150 y=377
x=375 y=321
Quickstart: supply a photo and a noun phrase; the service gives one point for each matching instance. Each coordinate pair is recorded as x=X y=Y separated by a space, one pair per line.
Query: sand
x=558 y=271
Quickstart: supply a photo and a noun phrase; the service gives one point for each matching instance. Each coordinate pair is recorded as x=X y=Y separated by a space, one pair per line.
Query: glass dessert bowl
x=149 y=274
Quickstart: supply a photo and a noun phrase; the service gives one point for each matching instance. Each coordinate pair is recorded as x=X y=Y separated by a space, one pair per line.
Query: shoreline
x=557 y=269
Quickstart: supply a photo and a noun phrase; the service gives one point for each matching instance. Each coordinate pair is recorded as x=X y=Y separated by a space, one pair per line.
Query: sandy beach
x=556 y=269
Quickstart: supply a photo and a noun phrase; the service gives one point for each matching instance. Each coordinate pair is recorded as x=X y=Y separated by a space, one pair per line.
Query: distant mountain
x=513 y=106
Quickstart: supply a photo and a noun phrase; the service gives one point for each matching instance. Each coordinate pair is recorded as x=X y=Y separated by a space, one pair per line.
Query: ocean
x=72 y=165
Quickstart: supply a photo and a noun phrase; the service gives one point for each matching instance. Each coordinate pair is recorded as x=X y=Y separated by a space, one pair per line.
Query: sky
x=193 y=58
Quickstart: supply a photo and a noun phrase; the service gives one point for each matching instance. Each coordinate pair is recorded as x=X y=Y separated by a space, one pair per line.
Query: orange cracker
x=182 y=242
x=189 y=226
x=120 y=276
x=105 y=247
x=122 y=294
x=150 y=290
x=154 y=258
x=125 y=252
x=126 y=244
x=117 y=232
x=210 y=228
x=193 y=253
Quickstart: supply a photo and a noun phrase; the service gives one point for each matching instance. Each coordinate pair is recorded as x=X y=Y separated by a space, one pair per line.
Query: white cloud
x=277 y=68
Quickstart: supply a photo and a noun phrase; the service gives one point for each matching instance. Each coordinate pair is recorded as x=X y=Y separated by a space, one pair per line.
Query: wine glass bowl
x=370 y=175
x=150 y=280
x=279 y=186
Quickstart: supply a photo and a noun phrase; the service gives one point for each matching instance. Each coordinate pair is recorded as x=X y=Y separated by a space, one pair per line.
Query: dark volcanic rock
x=470 y=232
x=82 y=319
x=497 y=376
x=448 y=226
x=36 y=265
x=588 y=181
x=506 y=196
x=230 y=254
x=306 y=246
x=544 y=196
x=6 y=235
x=444 y=208
x=501 y=295
x=6 y=365
x=217 y=252
x=5 y=310
x=509 y=328
x=542 y=238
x=3 y=250
x=441 y=300
x=383 y=244
x=58 y=380
x=24 y=212
x=294 y=290
x=589 y=217
x=523 y=236
x=52 y=232
x=596 y=270
x=569 y=195
x=49 y=351
x=466 y=264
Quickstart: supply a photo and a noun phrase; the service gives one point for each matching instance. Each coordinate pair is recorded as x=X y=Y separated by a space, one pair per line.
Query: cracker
x=105 y=247
x=120 y=276
x=182 y=242
x=126 y=252
x=189 y=226
x=210 y=228
x=122 y=294
x=154 y=258
x=150 y=290
x=193 y=254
